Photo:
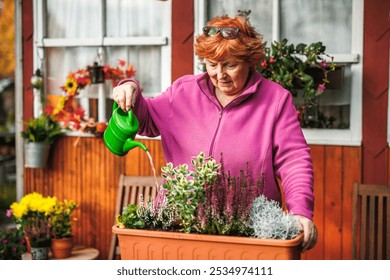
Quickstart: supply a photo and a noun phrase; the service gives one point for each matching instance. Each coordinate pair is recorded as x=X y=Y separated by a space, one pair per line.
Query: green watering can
x=120 y=132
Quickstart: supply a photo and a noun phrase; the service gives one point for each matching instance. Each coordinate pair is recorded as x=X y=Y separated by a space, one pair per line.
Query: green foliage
x=12 y=244
x=148 y=216
x=289 y=65
x=42 y=129
x=164 y=217
x=176 y=203
x=184 y=188
x=61 y=219
x=130 y=218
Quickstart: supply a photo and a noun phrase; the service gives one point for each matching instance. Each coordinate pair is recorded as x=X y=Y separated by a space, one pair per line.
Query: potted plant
x=32 y=214
x=61 y=227
x=302 y=69
x=13 y=244
x=203 y=213
x=39 y=134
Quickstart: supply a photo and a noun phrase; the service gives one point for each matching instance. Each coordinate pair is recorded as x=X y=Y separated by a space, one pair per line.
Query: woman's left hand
x=310 y=234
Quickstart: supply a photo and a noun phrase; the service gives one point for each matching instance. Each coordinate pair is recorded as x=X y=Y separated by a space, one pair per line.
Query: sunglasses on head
x=226 y=32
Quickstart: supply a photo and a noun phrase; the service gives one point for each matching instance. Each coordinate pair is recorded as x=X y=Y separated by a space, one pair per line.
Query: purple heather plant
x=38 y=230
x=228 y=203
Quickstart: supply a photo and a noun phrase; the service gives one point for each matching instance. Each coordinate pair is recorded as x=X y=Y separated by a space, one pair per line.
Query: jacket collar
x=207 y=87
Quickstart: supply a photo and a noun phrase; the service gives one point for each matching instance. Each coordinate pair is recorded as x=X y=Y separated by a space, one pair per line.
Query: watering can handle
x=114 y=106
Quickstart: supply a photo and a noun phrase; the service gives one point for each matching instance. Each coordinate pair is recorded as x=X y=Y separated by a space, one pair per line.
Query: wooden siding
x=89 y=173
x=336 y=168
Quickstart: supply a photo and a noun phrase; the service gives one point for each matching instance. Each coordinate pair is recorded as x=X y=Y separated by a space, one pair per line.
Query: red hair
x=248 y=45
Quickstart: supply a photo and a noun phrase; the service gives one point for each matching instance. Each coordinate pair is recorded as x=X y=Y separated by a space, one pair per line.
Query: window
x=72 y=34
x=338 y=25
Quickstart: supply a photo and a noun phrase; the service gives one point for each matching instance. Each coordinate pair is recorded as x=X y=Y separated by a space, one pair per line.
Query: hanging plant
x=301 y=69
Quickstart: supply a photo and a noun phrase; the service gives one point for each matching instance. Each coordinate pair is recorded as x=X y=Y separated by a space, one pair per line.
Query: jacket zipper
x=212 y=144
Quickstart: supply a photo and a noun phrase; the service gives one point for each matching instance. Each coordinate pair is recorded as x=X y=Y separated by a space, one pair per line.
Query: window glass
x=145 y=59
x=307 y=21
x=70 y=59
x=334 y=105
x=123 y=21
x=73 y=18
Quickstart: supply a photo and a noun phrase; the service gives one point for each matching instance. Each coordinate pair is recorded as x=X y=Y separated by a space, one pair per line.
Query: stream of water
x=154 y=170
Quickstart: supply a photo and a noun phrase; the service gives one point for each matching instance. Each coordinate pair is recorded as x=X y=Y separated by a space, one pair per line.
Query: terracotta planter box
x=160 y=245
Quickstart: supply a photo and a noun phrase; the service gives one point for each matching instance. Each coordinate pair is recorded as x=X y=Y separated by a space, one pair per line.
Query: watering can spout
x=130 y=144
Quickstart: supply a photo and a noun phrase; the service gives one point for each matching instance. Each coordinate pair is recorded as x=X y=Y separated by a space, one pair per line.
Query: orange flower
x=101 y=127
x=130 y=71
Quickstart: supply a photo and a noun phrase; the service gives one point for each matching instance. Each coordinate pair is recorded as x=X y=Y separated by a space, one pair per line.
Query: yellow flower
x=30 y=198
x=48 y=205
x=19 y=210
x=71 y=85
x=118 y=223
x=35 y=202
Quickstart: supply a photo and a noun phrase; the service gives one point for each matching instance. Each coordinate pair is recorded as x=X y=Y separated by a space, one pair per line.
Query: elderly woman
x=232 y=110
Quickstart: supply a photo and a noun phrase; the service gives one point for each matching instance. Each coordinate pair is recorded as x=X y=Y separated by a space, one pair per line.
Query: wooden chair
x=371 y=222
x=130 y=189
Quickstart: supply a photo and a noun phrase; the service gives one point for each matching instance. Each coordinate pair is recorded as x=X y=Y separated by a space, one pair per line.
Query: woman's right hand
x=125 y=95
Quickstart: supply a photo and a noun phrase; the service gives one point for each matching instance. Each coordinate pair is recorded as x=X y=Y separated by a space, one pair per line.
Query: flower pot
x=36 y=154
x=28 y=244
x=61 y=248
x=39 y=253
x=163 y=245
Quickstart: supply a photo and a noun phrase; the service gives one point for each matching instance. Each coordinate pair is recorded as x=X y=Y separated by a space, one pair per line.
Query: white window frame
x=41 y=43
x=345 y=137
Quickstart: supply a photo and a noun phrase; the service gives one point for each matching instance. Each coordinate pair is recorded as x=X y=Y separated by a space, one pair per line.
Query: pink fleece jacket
x=260 y=127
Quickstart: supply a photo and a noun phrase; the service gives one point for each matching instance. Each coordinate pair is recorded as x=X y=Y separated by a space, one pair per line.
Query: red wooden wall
x=375 y=90
x=27 y=39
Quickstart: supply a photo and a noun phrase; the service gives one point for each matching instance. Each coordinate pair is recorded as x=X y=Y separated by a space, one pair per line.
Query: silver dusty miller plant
x=270 y=221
